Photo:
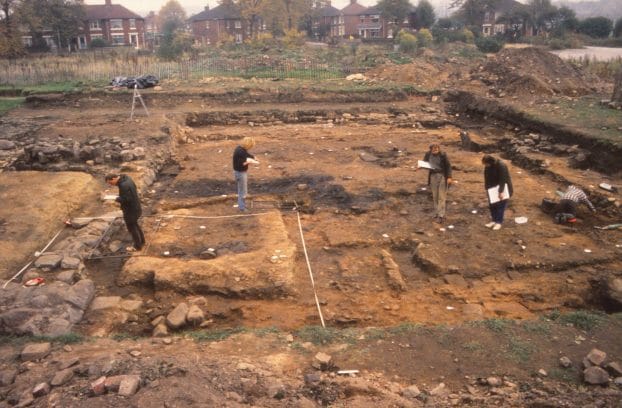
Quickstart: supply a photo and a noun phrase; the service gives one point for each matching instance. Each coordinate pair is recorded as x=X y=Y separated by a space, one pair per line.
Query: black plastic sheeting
x=145 y=81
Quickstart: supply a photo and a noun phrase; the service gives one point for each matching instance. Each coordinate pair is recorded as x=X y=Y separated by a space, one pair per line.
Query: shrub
x=468 y=36
x=262 y=40
x=98 y=43
x=407 y=42
x=598 y=27
x=489 y=44
x=294 y=38
x=424 y=37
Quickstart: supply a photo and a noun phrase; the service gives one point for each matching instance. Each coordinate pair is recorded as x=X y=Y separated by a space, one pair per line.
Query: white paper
x=424 y=165
x=493 y=194
x=110 y=197
x=249 y=160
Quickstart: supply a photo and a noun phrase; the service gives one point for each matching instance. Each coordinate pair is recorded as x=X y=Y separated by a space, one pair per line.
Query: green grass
x=586 y=115
x=264 y=331
x=124 y=336
x=567 y=375
x=318 y=334
x=6 y=104
x=53 y=87
x=520 y=351
x=582 y=319
x=537 y=326
x=473 y=346
x=215 y=335
x=69 y=338
x=495 y=325
x=404 y=328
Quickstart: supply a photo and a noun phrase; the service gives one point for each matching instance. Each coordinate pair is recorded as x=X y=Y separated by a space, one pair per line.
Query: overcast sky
x=192 y=7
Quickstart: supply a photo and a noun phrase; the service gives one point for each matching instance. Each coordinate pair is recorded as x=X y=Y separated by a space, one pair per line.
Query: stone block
x=35 y=351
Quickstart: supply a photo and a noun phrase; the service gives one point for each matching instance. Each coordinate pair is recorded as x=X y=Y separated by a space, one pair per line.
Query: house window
x=238 y=24
x=96 y=36
x=116 y=24
x=227 y=24
x=375 y=18
x=238 y=38
x=340 y=19
x=207 y=25
x=49 y=41
x=362 y=19
x=118 y=39
x=94 y=25
x=27 y=40
x=132 y=23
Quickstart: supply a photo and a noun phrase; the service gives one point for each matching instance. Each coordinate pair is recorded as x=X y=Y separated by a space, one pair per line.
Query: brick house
x=494 y=22
x=213 y=25
x=112 y=23
x=351 y=16
x=328 y=23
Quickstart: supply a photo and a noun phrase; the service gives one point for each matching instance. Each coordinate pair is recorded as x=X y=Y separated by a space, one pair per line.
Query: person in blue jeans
x=241 y=159
x=496 y=173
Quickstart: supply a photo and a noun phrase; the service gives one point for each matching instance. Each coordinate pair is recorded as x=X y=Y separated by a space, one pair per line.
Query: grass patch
x=318 y=334
x=584 y=114
x=583 y=319
x=404 y=328
x=69 y=338
x=375 y=333
x=567 y=375
x=53 y=87
x=537 y=326
x=6 y=104
x=215 y=335
x=264 y=331
x=473 y=346
x=124 y=336
x=495 y=325
x=520 y=351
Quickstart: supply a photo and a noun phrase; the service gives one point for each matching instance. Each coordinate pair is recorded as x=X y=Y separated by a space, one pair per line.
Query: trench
x=355 y=286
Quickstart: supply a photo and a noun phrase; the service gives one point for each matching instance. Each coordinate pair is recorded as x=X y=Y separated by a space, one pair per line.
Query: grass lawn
x=6 y=104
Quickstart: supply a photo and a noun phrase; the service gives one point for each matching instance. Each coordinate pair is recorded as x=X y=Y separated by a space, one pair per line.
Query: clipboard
x=493 y=193
x=424 y=165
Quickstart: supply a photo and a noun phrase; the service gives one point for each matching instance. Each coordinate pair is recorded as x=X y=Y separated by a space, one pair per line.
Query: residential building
x=371 y=24
x=114 y=24
x=502 y=17
x=351 y=18
x=222 y=22
x=329 y=23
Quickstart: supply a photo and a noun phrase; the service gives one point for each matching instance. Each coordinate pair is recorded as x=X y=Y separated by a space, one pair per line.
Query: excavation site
x=337 y=286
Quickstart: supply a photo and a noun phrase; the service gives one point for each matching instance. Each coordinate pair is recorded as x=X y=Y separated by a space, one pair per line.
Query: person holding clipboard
x=439 y=178
x=499 y=189
x=241 y=159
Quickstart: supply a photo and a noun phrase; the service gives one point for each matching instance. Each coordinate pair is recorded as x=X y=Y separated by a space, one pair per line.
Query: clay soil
x=405 y=300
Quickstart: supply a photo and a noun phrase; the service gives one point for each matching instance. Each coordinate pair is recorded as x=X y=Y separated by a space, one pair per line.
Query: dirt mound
x=535 y=71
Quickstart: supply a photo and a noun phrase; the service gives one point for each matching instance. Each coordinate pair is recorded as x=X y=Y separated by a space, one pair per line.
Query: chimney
x=207 y=7
x=108 y=2
x=352 y=1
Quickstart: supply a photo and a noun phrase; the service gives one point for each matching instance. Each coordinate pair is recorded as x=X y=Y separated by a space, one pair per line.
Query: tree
x=424 y=15
x=617 y=89
x=617 y=29
x=597 y=27
x=394 y=10
x=172 y=19
x=472 y=12
x=171 y=16
x=10 y=37
x=541 y=13
x=62 y=18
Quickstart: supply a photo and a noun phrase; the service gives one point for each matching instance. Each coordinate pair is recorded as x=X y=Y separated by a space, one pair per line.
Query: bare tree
x=617 y=89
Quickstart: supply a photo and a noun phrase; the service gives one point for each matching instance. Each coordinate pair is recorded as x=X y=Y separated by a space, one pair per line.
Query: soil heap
x=536 y=71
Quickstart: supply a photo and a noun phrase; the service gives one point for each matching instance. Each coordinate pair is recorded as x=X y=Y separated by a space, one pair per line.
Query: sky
x=192 y=7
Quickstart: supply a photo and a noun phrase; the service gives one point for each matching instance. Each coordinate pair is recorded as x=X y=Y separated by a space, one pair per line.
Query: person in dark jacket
x=439 y=178
x=241 y=160
x=130 y=205
x=497 y=175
